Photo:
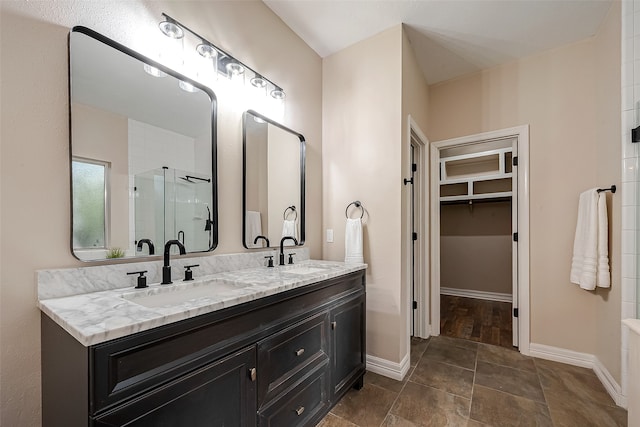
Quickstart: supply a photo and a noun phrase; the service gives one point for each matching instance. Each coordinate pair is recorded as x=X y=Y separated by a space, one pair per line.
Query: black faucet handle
x=142 y=279
x=270 y=263
x=291 y=257
x=188 y=274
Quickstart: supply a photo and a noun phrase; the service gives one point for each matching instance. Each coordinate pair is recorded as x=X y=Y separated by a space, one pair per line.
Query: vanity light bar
x=226 y=64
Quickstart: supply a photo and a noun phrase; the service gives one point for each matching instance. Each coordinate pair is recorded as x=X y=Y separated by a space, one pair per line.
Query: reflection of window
x=90 y=196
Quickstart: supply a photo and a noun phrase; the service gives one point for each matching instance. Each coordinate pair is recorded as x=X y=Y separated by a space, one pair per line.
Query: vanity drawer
x=287 y=356
x=304 y=405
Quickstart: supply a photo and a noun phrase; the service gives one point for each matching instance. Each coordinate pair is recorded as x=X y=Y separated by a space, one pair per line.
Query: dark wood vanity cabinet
x=282 y=360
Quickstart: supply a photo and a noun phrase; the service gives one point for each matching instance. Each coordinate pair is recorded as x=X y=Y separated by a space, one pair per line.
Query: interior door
x=514 y=243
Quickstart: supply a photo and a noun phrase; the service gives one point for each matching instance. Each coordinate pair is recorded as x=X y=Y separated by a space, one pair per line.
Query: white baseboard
x=389 y=369
x=584 y=360
x=470 y=293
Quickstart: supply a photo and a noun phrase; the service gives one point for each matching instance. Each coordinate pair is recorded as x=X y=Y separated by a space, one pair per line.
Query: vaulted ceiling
x=450 y=37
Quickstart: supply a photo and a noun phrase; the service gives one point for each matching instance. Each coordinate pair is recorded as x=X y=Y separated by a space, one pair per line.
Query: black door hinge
x=415 y=305
x=515 y=312
x=414 y=236
x=515 y=237
x=414 y=167
x=515 y=161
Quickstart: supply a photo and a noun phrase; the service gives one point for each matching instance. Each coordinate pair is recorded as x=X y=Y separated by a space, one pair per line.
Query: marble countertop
x=96 y=317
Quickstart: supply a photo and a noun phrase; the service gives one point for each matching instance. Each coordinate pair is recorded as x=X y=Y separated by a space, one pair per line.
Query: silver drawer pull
x=300 y=352
x=300 y=410
x=334 y=325
x=252 y=374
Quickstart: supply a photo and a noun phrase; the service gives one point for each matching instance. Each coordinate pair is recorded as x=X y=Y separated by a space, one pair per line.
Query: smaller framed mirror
x=273 y=183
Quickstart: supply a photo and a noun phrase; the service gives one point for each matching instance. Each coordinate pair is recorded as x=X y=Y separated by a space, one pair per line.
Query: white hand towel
x=253 y=229
x=603 y=279
x=289 y=229
x=353 y=252
x=590 y=263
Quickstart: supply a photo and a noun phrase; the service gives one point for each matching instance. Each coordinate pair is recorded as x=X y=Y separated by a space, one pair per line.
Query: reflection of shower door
x=169 y=205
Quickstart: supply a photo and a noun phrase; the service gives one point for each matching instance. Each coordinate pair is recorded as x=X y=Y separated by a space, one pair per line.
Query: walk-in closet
x=476 y=242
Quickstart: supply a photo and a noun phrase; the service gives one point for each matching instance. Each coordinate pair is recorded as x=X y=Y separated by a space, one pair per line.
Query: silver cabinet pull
x=300 y=352
x=334 y=325
x=300 y=410
x=252 y=374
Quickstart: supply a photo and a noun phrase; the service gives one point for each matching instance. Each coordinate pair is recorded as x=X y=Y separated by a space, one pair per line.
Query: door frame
x=421 y=268
x=522 y=170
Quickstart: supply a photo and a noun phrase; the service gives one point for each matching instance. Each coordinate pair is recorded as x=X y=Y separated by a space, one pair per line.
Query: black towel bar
x=612 y=189
x=293 y=209
x=357 y=205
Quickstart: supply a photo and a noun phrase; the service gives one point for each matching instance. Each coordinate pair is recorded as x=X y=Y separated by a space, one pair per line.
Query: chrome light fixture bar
x=225 y=63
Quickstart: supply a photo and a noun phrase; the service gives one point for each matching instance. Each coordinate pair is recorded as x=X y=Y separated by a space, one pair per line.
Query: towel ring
x=357 y=205
x=293 y=209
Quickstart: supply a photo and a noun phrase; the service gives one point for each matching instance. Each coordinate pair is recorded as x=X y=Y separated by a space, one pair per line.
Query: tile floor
x=454 y=382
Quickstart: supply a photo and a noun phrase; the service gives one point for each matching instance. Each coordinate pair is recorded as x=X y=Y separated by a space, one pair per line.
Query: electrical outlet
x=329 y=235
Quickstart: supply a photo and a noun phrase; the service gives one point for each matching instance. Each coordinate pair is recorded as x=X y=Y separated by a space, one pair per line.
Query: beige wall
x=415 y=103
x=571 y=121
x=34 y=138
x=102 y=135
x=477 y=237
x=608 y=171
x=361 y=152
x=365 y=152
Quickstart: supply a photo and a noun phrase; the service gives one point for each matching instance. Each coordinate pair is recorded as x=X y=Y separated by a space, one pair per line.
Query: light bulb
x=170 y=29
x=153 y=71
x=278 y=93
x=206 y=50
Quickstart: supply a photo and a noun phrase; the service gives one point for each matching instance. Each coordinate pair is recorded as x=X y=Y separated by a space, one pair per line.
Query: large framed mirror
x=273 y=183
x=143 y=153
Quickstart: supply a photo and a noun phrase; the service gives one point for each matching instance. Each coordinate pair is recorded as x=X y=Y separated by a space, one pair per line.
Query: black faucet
x=255 y=241
x=152 y=249
x=166 y=269
x=282 y=247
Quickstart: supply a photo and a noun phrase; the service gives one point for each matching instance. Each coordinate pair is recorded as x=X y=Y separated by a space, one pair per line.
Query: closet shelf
x=466 y=197
x=475 y=178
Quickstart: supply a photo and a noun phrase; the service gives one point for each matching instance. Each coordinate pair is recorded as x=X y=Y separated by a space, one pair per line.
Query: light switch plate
x=329 y=235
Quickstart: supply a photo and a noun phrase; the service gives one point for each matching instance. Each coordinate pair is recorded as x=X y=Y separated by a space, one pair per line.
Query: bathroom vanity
x=283 y=357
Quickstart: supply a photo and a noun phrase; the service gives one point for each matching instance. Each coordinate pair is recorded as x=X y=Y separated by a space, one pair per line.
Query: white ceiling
x=450 y=37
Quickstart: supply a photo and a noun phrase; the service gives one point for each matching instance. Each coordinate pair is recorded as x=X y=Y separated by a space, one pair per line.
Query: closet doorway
x=479 y=239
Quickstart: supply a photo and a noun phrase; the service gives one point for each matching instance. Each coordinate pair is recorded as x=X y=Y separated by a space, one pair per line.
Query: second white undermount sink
x=303 y=269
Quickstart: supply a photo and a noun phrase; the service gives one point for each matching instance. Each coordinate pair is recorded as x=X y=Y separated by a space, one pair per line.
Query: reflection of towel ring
x=293 y=209
x=358 y=205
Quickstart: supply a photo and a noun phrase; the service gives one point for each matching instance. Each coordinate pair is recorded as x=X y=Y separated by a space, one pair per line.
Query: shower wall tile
x=629 y=218
x=630 y=51
x=629 y=169
x=628 y=242
x=628 y=290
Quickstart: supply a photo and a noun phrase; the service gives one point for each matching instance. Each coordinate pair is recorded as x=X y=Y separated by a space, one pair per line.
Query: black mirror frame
x=214 y=156
x=244 y=175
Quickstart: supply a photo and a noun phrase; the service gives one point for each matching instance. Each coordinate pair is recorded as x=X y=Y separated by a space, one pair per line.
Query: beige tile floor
x=454 y=382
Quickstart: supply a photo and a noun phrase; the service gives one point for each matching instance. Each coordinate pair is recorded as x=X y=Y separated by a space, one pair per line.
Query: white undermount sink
x=180 y=293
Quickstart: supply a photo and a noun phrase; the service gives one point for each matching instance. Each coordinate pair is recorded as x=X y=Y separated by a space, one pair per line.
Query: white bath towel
x=603 y=279
x=253 y=229
x=289 y=229
x=353 y=252
x=590 y=263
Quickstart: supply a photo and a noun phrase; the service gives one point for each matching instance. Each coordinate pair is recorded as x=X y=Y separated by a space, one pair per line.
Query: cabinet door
x=222 y=393
x=348 y=342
